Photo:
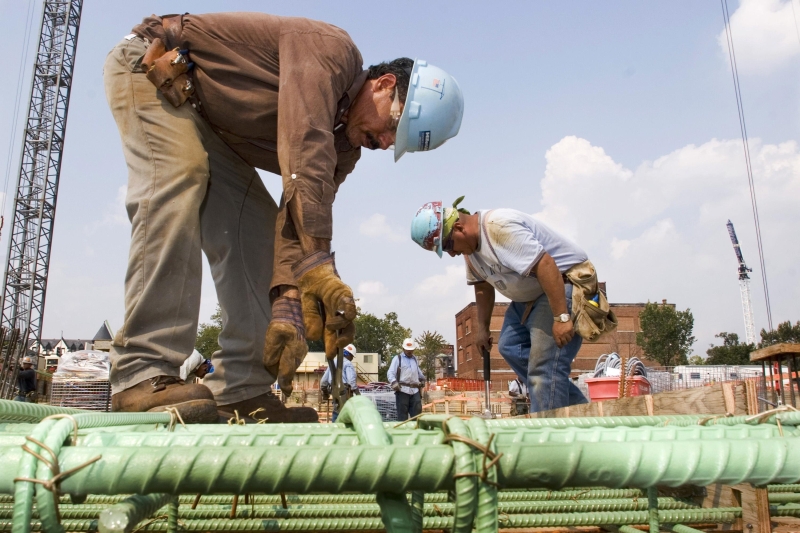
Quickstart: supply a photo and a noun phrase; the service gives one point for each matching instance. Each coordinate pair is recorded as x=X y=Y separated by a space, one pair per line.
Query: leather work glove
x=285 y=344
x=395 y=386
x=319 y=282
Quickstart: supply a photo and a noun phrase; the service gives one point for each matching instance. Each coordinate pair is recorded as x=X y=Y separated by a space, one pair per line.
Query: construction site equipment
x=744 y=288
x=461 y=474
x=25 y=280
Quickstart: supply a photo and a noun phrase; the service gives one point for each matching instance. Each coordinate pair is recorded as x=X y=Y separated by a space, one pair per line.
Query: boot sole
x=193 y=411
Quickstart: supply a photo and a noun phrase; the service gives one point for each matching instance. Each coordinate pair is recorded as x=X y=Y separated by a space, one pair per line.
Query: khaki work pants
x=187 y=191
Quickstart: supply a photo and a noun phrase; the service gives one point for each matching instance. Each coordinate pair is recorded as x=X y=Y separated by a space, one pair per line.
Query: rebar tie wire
x=760 y=418
x=487 y=454
x=52 y=484
x=174 y=416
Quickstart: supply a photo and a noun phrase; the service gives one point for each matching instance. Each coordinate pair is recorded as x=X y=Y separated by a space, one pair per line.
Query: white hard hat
x=350 y=349
x=27 y=360
x=432 y=113
x=409 y=344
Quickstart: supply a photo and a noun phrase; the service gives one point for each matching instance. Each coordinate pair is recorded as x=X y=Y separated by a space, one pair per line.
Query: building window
x=469 y=353
x=468 y=326
x=734 y=375
x=694 y=375
x=368 y=358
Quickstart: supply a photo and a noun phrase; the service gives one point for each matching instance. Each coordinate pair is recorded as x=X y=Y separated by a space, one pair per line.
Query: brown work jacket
x=274 y=89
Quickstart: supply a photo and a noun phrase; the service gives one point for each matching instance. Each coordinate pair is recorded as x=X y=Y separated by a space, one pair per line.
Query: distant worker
x=407 y=379
x=201 y=102
x=196 y=367
x=26 y=380
x=549 y=280
x=348 y=378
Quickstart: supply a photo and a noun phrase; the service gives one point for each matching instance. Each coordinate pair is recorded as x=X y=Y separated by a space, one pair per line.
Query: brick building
x=470 y=362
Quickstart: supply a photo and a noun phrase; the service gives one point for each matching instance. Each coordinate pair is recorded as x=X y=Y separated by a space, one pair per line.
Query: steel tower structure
x=744 y=289
x=25 y=280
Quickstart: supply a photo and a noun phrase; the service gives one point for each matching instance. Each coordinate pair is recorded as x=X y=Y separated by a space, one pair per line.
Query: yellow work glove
x=285 y=344
x=319 y=282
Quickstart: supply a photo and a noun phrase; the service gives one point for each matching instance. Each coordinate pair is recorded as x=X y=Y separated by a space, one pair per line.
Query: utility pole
x=30 y=239
x=744 y=288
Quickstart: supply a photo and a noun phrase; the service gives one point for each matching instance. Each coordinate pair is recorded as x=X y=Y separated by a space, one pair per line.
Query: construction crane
x=30 y=239
x=744 y=289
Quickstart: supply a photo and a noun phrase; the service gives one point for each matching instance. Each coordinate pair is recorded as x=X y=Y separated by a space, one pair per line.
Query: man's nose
x=451 y=253
x=386 y=139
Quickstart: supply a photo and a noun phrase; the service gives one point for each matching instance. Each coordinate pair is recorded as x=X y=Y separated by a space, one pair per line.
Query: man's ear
x=457 y=225
x=387 y=81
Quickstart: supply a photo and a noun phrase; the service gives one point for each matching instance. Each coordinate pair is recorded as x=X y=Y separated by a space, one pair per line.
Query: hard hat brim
x=401 y=136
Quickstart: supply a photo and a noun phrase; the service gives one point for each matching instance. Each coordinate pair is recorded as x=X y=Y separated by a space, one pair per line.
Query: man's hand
x=285 y=344
x=395 y=386
x=563 y=332
x=484 y=340
x=319 y=282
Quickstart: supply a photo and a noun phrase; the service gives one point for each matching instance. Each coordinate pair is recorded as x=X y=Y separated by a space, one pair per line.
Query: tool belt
x=411 y=385
x=169 y=70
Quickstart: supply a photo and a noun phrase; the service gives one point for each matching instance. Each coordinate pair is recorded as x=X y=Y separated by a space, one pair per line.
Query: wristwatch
x=563 y=317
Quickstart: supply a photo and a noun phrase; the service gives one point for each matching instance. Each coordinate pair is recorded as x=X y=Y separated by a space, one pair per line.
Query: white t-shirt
x=510 y=244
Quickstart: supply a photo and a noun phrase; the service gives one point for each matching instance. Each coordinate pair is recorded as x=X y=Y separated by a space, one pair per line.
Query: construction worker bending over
x=406 y=378
x=348 y=378
x=201 y=101
x=26 y=381
x=534 y=267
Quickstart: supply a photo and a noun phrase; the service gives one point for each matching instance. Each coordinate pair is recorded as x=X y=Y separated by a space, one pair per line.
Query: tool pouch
x=167 y=70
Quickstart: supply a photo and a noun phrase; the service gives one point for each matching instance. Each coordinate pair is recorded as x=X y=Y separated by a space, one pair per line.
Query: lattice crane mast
x=744 y=288
x=25 y=281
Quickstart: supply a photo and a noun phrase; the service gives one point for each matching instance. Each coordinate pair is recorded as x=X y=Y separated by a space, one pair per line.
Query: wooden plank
x=648 y=401
x=728 y=397
x=698 y=401
x=751 y=396
x=631 y=406
x=720 y=495
x=755 y=508
x=789 y=348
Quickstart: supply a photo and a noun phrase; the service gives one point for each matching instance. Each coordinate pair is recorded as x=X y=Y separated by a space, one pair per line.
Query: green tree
x=696 y=360
x=732 y=352
x=429 y=345
x=666 y=335
x=207 y=341
x=785 y=332
x=383 y=336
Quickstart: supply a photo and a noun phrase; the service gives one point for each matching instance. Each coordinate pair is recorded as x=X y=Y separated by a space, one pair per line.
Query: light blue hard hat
x=426 y=227
x=432 y=113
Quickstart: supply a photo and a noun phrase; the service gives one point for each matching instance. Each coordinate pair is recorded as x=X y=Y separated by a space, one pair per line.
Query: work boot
x=269 y=408
x=195 y=403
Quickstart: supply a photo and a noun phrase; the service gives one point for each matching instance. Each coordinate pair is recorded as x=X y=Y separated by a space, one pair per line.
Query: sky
x=613 y=122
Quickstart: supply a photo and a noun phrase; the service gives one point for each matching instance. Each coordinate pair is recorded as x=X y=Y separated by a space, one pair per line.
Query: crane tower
x=25 y=280
x=744 y=288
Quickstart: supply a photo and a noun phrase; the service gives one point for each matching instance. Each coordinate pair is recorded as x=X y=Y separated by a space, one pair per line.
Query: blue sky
x=615 y=122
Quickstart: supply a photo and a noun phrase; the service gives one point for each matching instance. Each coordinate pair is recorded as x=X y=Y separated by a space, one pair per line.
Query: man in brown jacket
x=201 y=101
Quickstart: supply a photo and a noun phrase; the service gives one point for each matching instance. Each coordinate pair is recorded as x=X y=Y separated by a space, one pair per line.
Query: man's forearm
x=308 y=243
x=546 y=271
x=484 y=299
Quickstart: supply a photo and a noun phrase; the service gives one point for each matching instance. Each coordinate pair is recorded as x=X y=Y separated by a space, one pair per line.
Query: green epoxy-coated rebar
x=783 y=488
x=680 y=528
x=362 y=415
x=652 y=509
x=466 y=486
x=24 y=467
x=486 y=513
x=790 y=509
x=374 y=524
x=172 y=515
x=783 y=497
x=11 y=411
x=787 y=419
x=123 y=517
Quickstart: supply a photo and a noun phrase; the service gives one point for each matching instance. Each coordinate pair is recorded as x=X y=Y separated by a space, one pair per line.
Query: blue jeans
x=408 y=405
x=21 y=398
x=531 y=352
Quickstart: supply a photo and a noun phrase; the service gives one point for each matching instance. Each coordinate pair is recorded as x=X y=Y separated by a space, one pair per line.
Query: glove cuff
x=289 y=311
x=312 y=261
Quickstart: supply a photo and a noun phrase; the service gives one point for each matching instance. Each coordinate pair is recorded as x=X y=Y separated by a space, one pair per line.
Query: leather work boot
x=269 y=408
x=194 y=402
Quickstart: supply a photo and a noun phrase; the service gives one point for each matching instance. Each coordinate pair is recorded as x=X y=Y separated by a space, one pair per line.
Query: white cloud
x=374 y=288
x=376 y=226
x=659 y=231
x=765 y=37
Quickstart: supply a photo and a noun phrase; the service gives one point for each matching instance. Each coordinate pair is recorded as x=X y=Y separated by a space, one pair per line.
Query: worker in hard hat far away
x=348 y=379
x=548 y=278
x=407 y=380
x=26 y=381
x=201 y=102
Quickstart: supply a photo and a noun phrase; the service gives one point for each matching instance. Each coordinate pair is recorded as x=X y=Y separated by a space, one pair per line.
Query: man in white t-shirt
x=511 y=252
